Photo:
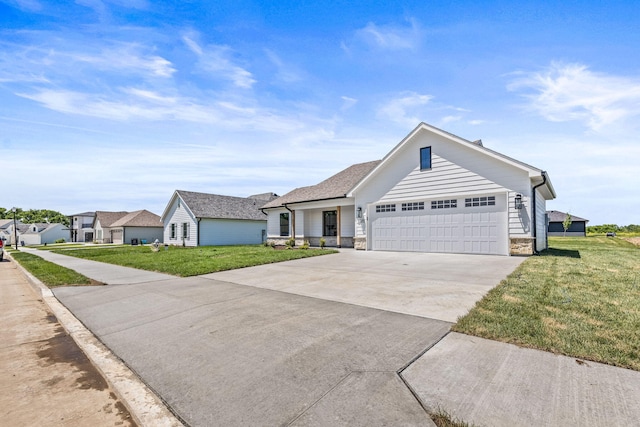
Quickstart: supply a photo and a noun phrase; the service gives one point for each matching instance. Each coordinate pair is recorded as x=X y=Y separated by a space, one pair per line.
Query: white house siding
x=273 y=222
x=102 y=235
x=178 y=214
x=219 y=232
x=451 y=176
x=541 y=222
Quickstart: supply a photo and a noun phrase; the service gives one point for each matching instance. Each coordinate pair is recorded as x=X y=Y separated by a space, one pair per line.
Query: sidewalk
x=45 y=346
x=45 y=379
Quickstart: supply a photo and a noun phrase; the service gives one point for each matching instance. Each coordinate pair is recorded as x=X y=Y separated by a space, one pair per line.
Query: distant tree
x=566 y=223
x=35 y=215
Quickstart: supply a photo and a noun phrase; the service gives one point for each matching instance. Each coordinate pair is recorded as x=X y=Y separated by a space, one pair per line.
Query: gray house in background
x=203 y=219
x=578 y=225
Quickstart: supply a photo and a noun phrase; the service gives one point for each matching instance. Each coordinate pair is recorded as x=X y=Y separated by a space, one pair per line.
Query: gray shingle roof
x=557 y=216
x=204 y=205
x=333 y=187
x=142 y=218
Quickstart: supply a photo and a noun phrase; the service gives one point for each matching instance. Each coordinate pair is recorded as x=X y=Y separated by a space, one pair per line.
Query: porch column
x=338 y=221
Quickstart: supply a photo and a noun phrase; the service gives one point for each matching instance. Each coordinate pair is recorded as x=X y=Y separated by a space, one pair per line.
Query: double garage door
x=475 y=225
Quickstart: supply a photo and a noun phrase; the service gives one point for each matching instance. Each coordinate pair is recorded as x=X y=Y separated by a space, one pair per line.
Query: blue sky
x=113 y=105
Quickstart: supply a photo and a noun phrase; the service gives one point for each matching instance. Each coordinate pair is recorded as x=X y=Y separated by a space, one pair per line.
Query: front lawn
x=580 y=298
x=185 y=262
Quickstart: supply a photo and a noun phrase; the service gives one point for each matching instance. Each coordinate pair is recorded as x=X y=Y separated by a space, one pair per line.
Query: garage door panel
x=480 y=230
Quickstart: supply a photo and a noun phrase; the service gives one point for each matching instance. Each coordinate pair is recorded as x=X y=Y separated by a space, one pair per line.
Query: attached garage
x=473 y=225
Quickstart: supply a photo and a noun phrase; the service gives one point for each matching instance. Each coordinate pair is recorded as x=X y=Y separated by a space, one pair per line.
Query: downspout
x=198 y=231
x=533 y=211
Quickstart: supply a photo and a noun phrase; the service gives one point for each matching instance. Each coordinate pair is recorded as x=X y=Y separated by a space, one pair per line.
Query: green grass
x=50 y=274
x=580 y=298
x=185 y=262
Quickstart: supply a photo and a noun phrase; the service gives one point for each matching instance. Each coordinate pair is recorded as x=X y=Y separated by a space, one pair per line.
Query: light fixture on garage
x=359 y=213
x=518 y=201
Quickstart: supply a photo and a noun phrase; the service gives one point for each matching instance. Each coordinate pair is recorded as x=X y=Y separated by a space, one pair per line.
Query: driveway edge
x=146 y=408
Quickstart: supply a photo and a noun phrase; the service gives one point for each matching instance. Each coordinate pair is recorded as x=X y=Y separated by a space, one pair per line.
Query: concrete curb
x=146 y=408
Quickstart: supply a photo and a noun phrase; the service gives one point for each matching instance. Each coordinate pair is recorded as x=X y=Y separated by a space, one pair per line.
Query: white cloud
x=391 y=37
x=286 y=72
x=217 y=59
x=572 y=92
x=449 y=119
x=403 y=109
x=347 y=103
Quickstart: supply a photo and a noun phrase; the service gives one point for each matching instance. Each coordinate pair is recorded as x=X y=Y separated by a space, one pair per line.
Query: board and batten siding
x=220 y=232
x=178 y=215
x=541 y=222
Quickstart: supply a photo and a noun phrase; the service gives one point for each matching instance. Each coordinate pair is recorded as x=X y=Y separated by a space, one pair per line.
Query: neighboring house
x=81 y=227
x=202 y=219
x=41 y=233
x=102 y=225
x=434 y=192
x=578 y=225
x=142 y=226
x=6 y=231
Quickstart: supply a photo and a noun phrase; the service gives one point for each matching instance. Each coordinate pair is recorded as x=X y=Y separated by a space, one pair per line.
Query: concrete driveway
x=221 y=349
x=437 y=286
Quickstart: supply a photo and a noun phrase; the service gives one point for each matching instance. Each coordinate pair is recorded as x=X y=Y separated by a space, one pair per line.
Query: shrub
x=305 y=245
x=291 y=242
x=323 y=242
x=60 y=241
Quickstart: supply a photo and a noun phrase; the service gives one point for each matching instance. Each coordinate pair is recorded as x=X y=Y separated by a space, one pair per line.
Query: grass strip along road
x=580 y=298
x=50 y=274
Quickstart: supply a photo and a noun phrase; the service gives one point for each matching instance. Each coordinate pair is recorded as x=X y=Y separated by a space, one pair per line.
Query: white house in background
x=41 y=233
x=6 y=231
x=202 y=219
x=433 y=192
x=81 y=227
x=140 y=226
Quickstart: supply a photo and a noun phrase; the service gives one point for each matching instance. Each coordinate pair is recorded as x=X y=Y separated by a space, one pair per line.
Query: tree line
x=35 y=216
x=613 y=228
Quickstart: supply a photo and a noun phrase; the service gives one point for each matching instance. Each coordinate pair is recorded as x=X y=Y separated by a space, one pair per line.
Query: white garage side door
x=464 y=229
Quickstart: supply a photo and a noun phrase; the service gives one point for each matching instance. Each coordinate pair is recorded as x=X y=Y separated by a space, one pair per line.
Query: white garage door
x=475 y=225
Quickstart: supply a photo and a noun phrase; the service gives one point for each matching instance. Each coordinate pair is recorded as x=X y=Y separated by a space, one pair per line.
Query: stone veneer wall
x=330 y=242
x=360 y=243
x=521 y=246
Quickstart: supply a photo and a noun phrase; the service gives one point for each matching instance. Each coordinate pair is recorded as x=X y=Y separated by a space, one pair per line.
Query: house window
x=385 y=208
x=414 y=206
x=480 y=201
x=185 y=230
x=330 y=223
x=425 y=158
x=173 y=231
x=444 y=204
x=284 y=224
